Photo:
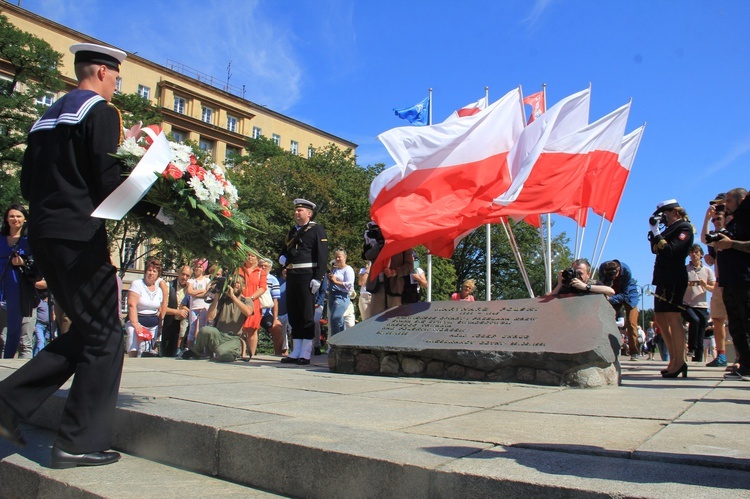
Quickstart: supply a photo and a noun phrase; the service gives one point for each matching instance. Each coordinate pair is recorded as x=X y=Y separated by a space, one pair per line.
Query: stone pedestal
x=569 y=341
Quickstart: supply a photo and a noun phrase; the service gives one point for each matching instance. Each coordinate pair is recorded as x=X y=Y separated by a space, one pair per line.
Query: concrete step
x=25 y=473
x=306 y=432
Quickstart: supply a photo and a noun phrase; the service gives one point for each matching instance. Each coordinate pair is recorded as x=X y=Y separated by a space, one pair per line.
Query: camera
x=714 y=236
x=568 y=275
x=217 y=285
x=657 y=218
x=608 y=277
x=719 y=208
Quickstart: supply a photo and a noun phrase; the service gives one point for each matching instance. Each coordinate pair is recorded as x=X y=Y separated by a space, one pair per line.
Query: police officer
x=671 y=247
x=305 y=254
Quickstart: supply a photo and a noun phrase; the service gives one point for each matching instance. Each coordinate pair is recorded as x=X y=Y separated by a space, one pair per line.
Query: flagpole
x=548 y=269
x=429 y=255
x=594 y=259
x=517 y=255
x=488 y=291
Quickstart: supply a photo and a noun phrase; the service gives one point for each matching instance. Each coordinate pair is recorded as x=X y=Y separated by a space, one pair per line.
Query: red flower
x=172 y=172
x=226 y=213
x=154 y=128
x=223 y=201
x=196 y=171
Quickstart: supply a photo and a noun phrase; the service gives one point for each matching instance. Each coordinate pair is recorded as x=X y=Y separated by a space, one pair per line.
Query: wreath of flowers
x=190 y=204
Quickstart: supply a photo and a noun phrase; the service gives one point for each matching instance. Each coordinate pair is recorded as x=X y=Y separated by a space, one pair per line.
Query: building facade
x=195 y=106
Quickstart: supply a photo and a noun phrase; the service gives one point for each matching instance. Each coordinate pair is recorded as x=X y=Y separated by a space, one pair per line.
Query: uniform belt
x=308 y=265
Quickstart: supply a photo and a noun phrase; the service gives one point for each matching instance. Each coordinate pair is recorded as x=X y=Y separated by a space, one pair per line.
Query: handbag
x=266 y=301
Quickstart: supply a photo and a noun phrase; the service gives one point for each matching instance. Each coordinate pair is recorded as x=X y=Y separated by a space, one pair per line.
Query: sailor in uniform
x=304 y=255
x=68 y=169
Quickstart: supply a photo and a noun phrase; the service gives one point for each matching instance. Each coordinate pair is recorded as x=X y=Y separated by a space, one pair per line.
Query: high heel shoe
x=683 y=370
x=664 y=371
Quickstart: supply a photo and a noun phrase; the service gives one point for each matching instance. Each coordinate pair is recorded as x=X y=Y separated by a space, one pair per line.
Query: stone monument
x=571 y=341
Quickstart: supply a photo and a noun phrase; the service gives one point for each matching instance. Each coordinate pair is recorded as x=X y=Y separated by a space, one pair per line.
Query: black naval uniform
x=67 y=172
x=671 y=248
x=306 y=252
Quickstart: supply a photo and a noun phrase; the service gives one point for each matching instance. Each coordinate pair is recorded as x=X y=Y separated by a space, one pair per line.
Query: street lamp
x=643 y=291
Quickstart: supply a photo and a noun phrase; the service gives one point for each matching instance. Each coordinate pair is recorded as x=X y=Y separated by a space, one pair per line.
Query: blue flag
x=418 y=114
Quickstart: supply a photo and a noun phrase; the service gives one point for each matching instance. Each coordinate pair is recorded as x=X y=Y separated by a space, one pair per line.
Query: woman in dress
x=671 y=247
x=146 y=309
x=256 y=283
x=19 y=301
x=341 y=281
x=467 y=288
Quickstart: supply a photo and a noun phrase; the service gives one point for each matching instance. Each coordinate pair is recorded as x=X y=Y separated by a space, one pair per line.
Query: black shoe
x=189 y=354
x=683 y=370
x=303 y=362
x=61 y=459
x=288 y=360
x=9 y=426
x=317 y=351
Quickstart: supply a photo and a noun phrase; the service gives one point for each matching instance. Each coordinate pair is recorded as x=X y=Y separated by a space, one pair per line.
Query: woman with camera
x=671 y=246
x=18 y=299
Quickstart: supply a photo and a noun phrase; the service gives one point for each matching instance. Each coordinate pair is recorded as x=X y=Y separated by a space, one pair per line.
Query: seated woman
x=146 y=307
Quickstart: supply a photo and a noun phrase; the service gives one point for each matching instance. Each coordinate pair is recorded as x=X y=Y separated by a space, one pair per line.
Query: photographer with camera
x=224 y=341
x=616 y=275
x=715 y=215
x=577 y=280
x=734 y=275
x=700 y=280
x=670 y=237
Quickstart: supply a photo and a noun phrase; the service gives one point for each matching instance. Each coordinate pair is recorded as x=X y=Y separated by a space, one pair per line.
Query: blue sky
x=344 y=65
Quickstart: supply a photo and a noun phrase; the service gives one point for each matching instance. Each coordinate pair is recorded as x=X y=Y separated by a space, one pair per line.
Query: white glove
x=282 y=260
x=370 y=241
x=314 y=286
x=655 y=229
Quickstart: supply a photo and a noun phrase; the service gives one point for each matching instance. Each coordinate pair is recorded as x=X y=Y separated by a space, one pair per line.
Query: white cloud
x=736 y=152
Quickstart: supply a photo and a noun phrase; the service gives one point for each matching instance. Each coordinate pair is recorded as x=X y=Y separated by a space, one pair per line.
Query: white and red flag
x=563 y=174
x=468 y=110
x=536 y=101
x=443 y=173
x=564 y=118
x=608 y=192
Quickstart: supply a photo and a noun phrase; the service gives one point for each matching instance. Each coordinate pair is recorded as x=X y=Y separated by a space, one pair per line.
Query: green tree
x=34 y=65
x=135 y=109
x=268 y=180
x=470 y=260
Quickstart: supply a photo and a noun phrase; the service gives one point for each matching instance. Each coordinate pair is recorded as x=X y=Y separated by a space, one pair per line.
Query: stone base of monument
x=569 y=341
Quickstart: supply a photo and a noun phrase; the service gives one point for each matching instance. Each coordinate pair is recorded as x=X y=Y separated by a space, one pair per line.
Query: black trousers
x=83 y=281
x=300 y=304
x=737 y=303
x=697 y=320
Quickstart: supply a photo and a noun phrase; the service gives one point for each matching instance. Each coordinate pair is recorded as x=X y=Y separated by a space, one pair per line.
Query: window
x=46 y=100
x=178 y=135
x=207 y=115
x=180 y=105
x=276 y=139
x=231 y=151
x=206 y=145
x=118 y=84
x=294 y=148
x=145 y=92
x=310 y=151
x=257 y=132
x=231 y=123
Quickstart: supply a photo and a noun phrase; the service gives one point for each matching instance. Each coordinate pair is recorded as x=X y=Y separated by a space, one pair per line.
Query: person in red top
x=256 y=282
x=467 y=288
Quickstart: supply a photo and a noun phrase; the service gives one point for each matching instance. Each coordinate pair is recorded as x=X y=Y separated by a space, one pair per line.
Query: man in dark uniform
x=67 y=172
x=305 y=255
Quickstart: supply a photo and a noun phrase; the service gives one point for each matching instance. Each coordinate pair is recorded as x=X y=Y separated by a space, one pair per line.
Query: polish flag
x=536 y=101
x=564 y=118
x=469 y=110
x=563 y=174
x=443 y=172
x=608 y=192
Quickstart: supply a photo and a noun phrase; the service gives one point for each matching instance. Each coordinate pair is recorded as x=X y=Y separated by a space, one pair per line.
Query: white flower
x=130 y=147
x=180 y=155
x=200 y=192
x=230 y=192
x=214 y=186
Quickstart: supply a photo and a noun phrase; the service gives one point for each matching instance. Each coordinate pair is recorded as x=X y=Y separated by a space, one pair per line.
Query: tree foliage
x=34 y=65
x=136 y=109
x=268 y=180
